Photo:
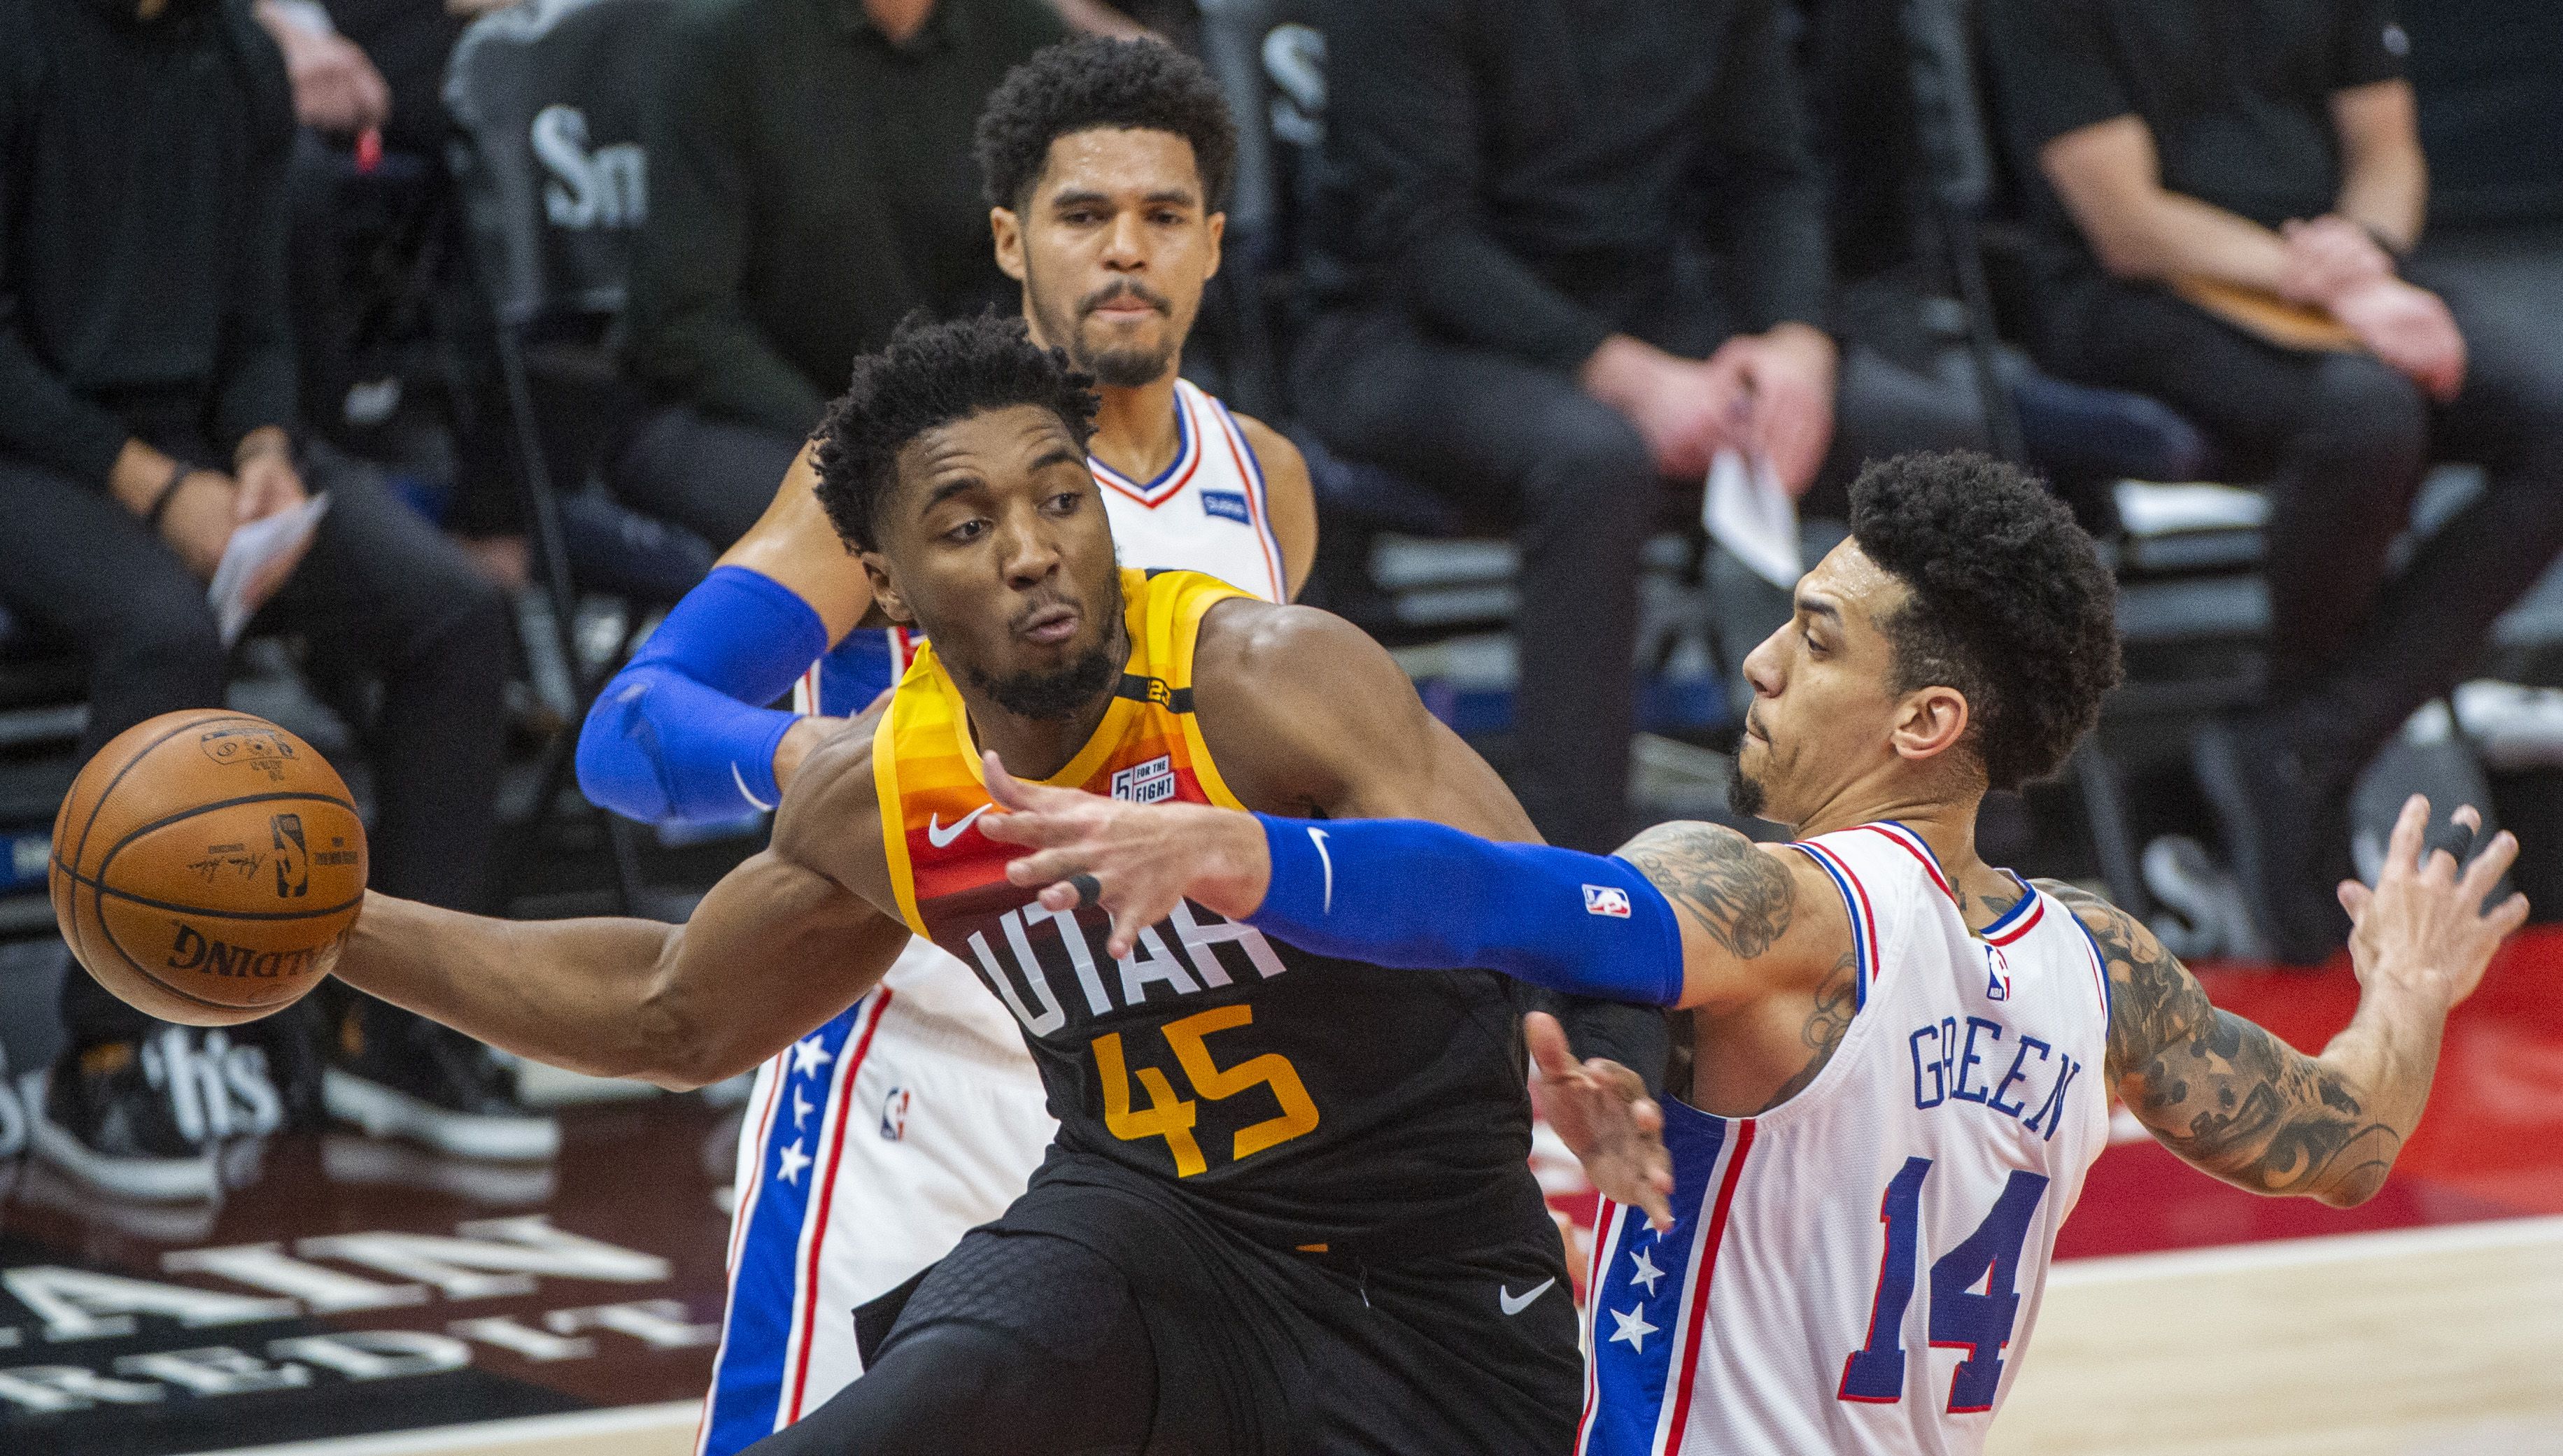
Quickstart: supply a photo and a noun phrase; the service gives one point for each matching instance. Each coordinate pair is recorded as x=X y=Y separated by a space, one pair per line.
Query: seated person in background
x=147 y=409
x=1518 y=304
x=2273 y=148
x=810 y=184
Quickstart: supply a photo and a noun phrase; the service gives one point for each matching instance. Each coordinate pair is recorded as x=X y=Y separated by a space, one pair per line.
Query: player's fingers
x=2468 y=818
x=1548 y=1049
x=2487 y=867
x=1030 y=826
x=2403 y=849
x=2354 y=898
x=2512 y=914
x=1050 y=867
x=1008 y=792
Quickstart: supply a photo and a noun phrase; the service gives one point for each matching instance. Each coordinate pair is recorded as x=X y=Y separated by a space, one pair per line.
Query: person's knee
x=164 y=639
x=2368 y=422
x=1591 y=476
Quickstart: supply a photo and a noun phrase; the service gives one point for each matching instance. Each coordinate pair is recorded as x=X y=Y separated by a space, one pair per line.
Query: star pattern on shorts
x=794 y=1161
x=1645 y=1273
x=808 y=1056
x=1633 y=1328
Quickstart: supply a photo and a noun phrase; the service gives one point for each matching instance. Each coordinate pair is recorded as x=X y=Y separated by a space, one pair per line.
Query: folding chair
x=2192 y=611
x=547 y=100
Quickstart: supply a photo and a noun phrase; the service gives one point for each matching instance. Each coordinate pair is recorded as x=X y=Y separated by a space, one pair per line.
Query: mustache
x=1043 y=603
x=1124 y=289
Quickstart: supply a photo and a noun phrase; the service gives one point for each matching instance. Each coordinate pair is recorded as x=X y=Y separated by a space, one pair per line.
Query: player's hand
x=1786 y=379
x=1135 y=859
x=1602 y=1111
x=2411 y=329
x=2423 y=929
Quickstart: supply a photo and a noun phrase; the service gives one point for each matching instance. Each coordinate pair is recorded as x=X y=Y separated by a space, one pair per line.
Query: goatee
x=1743 y=796
x=1059 y=693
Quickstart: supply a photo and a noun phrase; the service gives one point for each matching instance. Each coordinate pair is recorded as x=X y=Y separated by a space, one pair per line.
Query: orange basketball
x=207 y=866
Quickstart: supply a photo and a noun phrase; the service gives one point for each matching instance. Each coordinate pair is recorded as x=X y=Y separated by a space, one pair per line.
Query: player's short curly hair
x=1092 y=81
x=2011 y=603
x=931 y=374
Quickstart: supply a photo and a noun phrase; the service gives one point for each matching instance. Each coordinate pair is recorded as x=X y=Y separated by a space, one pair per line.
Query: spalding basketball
x=207 y=866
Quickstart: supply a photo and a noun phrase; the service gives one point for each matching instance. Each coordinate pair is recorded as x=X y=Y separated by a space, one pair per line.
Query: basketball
x=206 y=865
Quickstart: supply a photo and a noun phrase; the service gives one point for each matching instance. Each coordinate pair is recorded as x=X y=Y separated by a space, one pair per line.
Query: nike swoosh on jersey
x=1515 y=1304
x=938 y=836
x=1318 y=837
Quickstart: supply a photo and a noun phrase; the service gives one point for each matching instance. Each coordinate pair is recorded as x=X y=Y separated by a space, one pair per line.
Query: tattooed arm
x=1754 y=918
x=2236 y=1101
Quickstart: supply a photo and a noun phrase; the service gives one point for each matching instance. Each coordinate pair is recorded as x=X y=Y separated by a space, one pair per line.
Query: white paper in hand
x=252 y=550
x=1748 y=512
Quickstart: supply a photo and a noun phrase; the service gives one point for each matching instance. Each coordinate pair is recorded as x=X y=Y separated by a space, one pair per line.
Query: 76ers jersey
x=1857 y=1269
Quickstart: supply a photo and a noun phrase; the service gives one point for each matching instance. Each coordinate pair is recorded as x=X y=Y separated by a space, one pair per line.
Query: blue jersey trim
x=1636 y=1301
x=765 y=1294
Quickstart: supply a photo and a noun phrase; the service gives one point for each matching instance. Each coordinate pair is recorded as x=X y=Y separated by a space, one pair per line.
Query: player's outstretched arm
x=682 y=733
x=2237 y=1102
x=779 y=945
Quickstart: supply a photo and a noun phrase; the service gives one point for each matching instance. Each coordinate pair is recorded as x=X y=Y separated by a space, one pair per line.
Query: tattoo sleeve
x=1741 y=896
x=2223 y=1093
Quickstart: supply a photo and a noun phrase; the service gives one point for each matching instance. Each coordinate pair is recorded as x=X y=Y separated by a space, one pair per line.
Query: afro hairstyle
x=929 y=375
x=1078 y=85
x=2011 y=604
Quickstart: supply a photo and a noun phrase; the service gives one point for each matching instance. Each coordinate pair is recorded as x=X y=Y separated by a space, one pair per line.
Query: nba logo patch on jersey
x=1607 y=899
x=893 y=1123
x=1997 y=974
x=1152 y=782
x=1229 y=503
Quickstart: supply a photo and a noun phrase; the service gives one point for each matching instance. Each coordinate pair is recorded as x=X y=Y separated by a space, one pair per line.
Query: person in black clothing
x=810 y=184
x=1564 y=260
x=2273 y=149
x=147 y=408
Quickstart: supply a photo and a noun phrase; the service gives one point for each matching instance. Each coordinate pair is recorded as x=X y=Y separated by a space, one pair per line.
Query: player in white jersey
x=1903 y=1055
x=916 y=1114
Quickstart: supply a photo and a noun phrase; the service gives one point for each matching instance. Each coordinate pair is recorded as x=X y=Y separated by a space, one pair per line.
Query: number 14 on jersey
x=1979 y=1324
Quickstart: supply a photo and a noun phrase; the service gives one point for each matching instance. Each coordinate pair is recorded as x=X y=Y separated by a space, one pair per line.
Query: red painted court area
x=2491 y=1146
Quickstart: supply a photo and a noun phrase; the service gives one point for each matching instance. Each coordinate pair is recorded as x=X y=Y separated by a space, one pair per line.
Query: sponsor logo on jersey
x=1152 y=782
x=1229 y=504
x=893 y=1123
x=1607 y=899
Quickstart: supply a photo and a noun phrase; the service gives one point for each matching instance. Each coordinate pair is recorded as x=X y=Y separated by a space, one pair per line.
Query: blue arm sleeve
x=1404 y=893
x=679 y=733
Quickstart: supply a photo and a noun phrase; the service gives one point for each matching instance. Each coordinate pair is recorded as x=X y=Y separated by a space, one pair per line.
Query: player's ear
x=1217 y=225
x=885 y=593
x=1928 y=722
x=1008 y=231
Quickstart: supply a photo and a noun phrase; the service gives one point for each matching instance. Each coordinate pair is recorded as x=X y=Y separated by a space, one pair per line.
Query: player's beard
x=1063 y=691
x=1113 y=368
x=1743 y=794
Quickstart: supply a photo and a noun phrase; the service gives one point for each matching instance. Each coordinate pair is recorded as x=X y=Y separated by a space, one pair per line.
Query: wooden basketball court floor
x=2183 y=1317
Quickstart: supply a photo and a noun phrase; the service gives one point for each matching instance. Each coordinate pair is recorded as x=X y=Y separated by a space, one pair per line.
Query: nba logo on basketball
x=894 y=1114
x=1997 y=974
x=1607 y=899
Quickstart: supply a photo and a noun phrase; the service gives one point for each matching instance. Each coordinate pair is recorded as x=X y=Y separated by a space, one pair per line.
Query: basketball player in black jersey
x=1289 y=1207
